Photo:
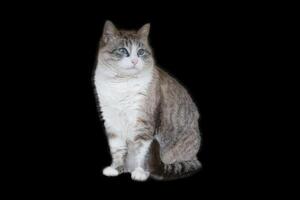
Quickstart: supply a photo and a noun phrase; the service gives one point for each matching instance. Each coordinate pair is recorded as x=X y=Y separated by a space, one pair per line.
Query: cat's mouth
x=130 y=67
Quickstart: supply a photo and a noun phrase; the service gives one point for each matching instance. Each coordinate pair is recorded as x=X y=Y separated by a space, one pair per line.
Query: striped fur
x=161 y=171
x=150 y=118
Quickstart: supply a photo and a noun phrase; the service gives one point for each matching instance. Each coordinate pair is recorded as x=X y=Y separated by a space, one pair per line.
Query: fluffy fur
x=151 y=121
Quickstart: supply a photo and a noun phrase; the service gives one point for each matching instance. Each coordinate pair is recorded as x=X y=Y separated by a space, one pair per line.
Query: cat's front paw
x=139 y=174
x=110 y=171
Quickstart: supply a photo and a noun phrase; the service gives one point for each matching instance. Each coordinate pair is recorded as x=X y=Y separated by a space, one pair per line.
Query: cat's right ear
x=144 y=31
x=109 y=31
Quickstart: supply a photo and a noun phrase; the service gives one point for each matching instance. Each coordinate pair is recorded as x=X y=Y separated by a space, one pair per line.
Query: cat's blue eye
x=123 y=51
x=141 y=52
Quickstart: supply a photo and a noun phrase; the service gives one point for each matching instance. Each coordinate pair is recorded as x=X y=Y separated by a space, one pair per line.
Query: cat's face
x=125 y=52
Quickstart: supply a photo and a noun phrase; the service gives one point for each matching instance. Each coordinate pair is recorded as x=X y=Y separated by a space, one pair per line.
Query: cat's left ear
x=109 y=31
x=144 y=31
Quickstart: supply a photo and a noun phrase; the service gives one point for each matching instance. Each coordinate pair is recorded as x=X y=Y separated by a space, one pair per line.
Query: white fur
x=120 y=101
x=110 y=171
x=139 y=174
x=140 y=157
x=117 y=143
x=126 y=62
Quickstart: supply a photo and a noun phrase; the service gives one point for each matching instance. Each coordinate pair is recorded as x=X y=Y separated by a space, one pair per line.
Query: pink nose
x=134 y=61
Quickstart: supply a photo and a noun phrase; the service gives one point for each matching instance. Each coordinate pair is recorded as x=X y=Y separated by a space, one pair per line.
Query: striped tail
x=162 y=171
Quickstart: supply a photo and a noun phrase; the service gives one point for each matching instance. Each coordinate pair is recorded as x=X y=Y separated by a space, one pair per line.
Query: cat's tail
x=162 y=171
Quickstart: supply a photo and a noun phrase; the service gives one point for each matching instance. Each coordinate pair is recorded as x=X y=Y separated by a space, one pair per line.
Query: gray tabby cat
x=150 y=119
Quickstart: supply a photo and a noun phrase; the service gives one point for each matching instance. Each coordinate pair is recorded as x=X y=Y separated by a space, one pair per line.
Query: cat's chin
x=130 y=71
x=129 y=67
x=133 y=69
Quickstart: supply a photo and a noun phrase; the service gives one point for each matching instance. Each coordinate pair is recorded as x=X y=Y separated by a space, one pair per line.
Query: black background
x=211 y=49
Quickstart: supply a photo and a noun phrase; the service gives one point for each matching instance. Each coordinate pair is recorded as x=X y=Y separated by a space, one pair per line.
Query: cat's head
x=126 y=52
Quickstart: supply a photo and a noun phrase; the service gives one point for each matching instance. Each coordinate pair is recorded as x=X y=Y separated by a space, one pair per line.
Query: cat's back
x=175 y=94
x=167 y=81
x=170 y=86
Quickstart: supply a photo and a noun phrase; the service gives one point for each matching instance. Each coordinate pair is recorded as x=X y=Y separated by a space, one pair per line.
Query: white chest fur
x=121 y=100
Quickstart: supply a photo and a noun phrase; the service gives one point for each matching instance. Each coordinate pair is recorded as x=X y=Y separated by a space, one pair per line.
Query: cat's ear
x=109 y=31
x=144 y=31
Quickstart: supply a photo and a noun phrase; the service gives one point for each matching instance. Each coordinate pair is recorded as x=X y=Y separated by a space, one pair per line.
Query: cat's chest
x=121 y=102
x=120 y=97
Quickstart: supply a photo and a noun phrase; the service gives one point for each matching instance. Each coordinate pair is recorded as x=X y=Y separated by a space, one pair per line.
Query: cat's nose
x=134 y=61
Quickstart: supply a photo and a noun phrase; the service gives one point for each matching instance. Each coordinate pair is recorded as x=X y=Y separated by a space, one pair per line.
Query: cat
x=151 y=121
